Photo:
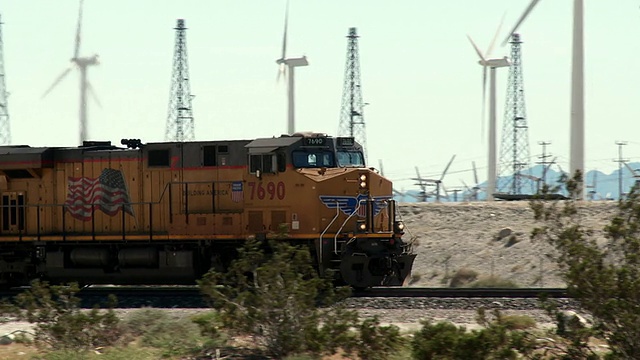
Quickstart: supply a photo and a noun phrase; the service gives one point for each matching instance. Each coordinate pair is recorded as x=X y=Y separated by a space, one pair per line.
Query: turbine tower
x=82 y=63
x=514 y=153
x=287 y=69
x=576 y=161
x=351 y=114
x=5 y=128
x=492 y=64
x=180 y=118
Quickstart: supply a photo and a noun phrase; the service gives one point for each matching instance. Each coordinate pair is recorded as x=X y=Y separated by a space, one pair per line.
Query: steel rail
x=418 y=292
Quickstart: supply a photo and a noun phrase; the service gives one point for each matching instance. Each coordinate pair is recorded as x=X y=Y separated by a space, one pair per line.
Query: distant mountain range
x=599 y=186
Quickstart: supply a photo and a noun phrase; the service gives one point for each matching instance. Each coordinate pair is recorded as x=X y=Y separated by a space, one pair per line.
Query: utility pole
x=455 y=194
x=5 y=128
x=620 y=162
x=514 y=154
x=544 y=161
x=180 y=118
x=351 y=113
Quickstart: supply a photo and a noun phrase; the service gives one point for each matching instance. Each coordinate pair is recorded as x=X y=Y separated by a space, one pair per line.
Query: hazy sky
x=419 y=73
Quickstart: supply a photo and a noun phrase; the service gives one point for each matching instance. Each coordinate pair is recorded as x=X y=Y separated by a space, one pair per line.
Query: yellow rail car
x=165 y=213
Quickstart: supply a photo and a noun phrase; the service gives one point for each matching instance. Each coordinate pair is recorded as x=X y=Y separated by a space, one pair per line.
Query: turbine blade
x=76 y=52
x=446 y=193
x=284 y=36
x=633 y=172
x=532 y=4
x=55 y=82
x=465 y=185
x=551 y=163
x=495 y=36
x=476 y=48
x=447 y=168
x=475 y=173
x=93 y=94
x=281 y=72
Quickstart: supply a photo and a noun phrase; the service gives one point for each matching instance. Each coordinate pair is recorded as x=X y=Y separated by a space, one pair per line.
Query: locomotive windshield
x=350 y=159
x=312 y=159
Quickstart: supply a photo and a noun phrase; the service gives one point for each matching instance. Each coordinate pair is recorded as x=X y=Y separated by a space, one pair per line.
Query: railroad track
x=416 y=292
x=190 y=296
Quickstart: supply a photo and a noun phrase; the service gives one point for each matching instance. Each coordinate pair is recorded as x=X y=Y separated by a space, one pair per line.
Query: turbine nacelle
x=495 y=63
x=86 y=61
x=296 y=61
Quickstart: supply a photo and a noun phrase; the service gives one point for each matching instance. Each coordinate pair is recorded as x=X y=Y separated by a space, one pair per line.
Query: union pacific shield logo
x=349 y=204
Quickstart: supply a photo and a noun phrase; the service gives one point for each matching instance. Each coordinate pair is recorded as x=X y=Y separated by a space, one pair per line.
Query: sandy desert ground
x=452 y=236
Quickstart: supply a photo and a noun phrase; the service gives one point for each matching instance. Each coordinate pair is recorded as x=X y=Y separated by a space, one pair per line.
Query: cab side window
x=262 y=162
x=311 y=160
x=304 y=159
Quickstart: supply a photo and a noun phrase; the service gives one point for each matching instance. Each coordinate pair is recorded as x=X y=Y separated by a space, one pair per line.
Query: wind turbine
x=289 y=65
x=422 y=182
x=576 y=161
x=492 y=64
x=472 y=192
x=423 y=195
x=82 y=63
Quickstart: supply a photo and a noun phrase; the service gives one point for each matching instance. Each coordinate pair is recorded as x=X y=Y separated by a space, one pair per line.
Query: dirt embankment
x=489 y=238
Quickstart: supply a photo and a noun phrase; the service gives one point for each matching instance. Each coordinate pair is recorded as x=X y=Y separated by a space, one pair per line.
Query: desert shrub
x=603 y=276
x=374 y=341
x=301 y=357
x=496 y=340
x=59 y=321
x=518 y=322
x=462 y=277
x=492 y=282
x=415 y=278
x=111 y=353
x=174 y=336
x=273 y=293
x=209 y=324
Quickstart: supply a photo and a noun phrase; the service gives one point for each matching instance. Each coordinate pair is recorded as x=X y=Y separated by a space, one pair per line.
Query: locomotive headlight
x=362 y=226
x=398 y=227
x=363 y=181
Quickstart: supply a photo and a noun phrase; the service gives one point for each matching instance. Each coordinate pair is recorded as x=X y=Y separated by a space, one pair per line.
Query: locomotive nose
x=361 y=271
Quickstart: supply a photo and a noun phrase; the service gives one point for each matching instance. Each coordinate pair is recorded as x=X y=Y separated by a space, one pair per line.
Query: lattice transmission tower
x=5 y=129
x=180 y=118
x=513 y=173
x=351 y=113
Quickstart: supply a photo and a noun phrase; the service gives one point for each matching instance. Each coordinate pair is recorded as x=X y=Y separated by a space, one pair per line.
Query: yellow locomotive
x=165 y=213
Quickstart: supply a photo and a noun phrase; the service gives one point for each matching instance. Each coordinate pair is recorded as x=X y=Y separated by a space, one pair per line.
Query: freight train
x=167 y=212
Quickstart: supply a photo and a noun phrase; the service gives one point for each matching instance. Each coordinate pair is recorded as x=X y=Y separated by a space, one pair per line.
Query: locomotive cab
x=344 y=208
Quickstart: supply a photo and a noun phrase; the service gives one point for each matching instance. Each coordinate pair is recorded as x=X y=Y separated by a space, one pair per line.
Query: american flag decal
x=237 y=194
x=108 y=193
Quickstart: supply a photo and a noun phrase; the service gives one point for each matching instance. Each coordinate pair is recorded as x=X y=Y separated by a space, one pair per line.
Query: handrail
x=335 y=238
x=327 y=228
x=167 y=186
